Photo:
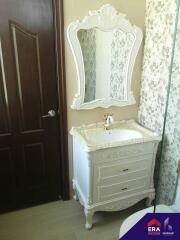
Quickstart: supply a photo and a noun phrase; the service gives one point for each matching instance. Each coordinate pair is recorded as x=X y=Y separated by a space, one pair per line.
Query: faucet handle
x=111 y=118
x=108 y=115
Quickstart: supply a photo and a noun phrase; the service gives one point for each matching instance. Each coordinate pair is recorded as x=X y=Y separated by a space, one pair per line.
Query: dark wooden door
x=29 y=141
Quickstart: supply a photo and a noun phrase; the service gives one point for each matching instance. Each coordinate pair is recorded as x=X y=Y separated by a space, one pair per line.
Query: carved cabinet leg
x=149 y=200
x=89 y=217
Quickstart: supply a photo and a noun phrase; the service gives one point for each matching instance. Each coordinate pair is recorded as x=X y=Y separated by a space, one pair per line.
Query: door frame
x=62 y=103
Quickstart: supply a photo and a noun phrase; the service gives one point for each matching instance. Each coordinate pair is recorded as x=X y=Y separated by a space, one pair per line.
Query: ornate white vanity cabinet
x=113 y=169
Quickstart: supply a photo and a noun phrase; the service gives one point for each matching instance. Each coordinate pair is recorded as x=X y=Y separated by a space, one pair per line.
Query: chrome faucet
x=108 y=121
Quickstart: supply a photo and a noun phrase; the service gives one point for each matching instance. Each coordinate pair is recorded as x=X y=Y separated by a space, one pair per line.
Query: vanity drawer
x=116 y=153
x=122 y=170
x=120 y=189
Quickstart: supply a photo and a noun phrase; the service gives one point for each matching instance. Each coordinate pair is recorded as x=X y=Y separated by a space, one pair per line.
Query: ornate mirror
x=104 y=45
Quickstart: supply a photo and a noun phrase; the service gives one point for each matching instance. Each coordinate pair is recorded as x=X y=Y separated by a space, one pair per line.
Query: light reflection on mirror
x=106 y=56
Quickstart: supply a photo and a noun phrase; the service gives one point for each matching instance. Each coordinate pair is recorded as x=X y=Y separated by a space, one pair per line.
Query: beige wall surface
x=77 y=9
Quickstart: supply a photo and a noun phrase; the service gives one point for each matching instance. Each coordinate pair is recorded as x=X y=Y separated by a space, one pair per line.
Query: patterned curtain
x=160 y=27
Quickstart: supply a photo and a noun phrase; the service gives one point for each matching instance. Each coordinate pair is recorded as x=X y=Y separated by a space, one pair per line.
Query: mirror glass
x=106 y=56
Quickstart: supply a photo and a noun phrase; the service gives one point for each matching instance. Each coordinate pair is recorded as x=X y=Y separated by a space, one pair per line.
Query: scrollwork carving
x=109 y=85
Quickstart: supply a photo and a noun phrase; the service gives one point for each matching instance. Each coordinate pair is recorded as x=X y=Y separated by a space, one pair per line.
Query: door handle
x=51 y=113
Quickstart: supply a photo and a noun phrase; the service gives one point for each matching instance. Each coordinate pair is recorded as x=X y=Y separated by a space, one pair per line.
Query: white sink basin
x=94 y=136
x=111 y=136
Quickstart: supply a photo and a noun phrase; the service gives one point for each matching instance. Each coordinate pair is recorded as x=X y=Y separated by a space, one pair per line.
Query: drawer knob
x=125 y=170
x=123 y=189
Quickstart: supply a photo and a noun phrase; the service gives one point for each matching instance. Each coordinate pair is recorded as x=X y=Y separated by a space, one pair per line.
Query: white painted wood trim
x=106 y=19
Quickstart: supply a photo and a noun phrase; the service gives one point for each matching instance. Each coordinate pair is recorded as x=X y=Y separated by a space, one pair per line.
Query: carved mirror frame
x=105 y=19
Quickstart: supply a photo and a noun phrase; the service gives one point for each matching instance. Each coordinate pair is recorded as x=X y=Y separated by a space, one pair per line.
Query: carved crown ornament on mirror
x=104 y=46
